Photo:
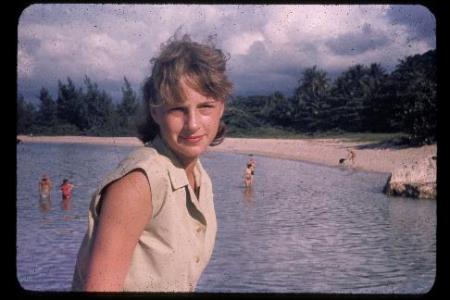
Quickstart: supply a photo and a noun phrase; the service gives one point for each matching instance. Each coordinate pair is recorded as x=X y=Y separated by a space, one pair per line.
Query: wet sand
x=369 y=157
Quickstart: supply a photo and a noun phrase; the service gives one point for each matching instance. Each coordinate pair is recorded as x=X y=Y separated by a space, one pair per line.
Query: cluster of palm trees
x=361 y=99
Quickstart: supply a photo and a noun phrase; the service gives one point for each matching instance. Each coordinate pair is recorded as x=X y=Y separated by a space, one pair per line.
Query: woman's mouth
x=192 y=138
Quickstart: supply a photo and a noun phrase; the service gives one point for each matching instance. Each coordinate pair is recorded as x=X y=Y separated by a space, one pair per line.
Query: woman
x=152 y=224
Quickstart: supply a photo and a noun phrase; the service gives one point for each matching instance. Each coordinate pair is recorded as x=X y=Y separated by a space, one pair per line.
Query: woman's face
x=189 y=127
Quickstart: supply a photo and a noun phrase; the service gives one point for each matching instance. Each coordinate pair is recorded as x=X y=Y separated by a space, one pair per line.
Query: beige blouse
x=178 y=241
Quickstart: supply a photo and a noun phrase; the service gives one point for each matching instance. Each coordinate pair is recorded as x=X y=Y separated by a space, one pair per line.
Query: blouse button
x=199 y=229
x=197 y=259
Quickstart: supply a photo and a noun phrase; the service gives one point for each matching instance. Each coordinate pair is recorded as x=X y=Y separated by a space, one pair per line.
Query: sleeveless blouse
x=178 y=241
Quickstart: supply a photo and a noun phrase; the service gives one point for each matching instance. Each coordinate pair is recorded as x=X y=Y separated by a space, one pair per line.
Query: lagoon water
x=302 y=228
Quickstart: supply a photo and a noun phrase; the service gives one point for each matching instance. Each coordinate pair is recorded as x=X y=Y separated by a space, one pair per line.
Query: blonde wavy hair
x=202 y=65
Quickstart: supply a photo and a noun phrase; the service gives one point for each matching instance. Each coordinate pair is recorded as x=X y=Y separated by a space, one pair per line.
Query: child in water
x=66 y=189
x=45 y=188
x=248 y=175
x=252 y=162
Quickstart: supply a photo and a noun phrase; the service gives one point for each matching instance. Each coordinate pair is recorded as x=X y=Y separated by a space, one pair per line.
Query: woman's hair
x=203 y=68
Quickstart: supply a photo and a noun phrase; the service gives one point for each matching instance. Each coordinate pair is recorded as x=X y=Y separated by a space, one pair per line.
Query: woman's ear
x=154 y=112
x=222 y=107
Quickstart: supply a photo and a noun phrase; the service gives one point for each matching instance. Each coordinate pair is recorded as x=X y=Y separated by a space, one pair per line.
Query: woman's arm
x=125 y=209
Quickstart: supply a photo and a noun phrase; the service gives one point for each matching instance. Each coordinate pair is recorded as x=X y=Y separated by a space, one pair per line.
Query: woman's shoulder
x=143 y=155
x=143 y=152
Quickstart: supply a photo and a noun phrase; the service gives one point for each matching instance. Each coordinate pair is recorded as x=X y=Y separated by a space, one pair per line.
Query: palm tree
x=354 y=93
x=310 y=97
x=415 y=81
x=377 y=111
x=46 y=116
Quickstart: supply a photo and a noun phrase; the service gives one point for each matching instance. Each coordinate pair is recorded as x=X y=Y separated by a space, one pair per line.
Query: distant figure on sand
x=66 y=189
x=248 y=175
x=350 y=159
x=351 y=156
x=45 y=189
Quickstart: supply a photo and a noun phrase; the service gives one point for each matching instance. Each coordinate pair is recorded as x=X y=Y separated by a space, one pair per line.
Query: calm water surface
x=302 y=228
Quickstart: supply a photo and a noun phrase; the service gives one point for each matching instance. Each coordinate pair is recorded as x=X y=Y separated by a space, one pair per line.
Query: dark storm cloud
x=419 y=20
x=264 y=84
x=360 y=41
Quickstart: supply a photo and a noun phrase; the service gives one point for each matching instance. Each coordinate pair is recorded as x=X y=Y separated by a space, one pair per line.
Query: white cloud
x=241 y=42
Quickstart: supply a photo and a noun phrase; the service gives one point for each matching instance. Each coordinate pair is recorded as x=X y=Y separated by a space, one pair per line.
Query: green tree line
x=360 y=99
x=77 y=110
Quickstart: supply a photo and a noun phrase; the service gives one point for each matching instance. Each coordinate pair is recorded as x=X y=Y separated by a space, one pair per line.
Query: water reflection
x=248 y=200
x=248 y=194
x=45 y=204
x=66 y=204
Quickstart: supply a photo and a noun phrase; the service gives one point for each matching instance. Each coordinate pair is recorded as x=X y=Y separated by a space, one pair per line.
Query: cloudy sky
x=269 y=45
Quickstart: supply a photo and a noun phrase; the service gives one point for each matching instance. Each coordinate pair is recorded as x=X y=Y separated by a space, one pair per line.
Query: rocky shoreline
x=416 y=180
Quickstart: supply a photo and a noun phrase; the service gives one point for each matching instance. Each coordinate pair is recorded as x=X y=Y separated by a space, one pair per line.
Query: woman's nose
x=192 y=122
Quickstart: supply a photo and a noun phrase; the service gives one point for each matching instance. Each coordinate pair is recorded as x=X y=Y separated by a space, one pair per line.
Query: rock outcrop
x=416 y=180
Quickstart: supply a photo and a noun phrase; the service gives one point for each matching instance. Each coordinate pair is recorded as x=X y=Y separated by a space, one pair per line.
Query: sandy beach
x=322 y=151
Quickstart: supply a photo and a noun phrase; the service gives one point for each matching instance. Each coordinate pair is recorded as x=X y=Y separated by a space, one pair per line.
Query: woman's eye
x=207 y=106
x=176 y=109
x=206 y=110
